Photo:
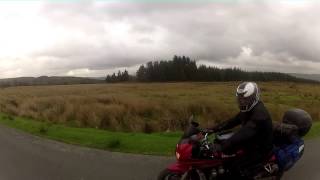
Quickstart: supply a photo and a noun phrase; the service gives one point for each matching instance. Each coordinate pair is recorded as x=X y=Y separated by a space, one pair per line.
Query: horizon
x=134 y=74
x=96 y=38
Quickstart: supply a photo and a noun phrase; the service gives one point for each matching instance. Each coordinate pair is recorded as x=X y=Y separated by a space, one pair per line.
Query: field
x=138 y=118
x=148 y=108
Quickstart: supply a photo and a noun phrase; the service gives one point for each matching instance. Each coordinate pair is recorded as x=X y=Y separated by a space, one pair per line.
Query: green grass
x=153 y=144
x=315 y=131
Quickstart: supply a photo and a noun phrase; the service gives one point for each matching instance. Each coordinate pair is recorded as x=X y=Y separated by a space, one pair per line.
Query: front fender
x=184 y=166
x=179 y=167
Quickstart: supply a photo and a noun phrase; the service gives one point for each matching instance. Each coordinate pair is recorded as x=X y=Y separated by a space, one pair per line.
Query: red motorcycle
x=197 y=161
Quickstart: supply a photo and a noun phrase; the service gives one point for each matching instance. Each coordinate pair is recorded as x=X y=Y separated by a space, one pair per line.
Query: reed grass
x=148 y=107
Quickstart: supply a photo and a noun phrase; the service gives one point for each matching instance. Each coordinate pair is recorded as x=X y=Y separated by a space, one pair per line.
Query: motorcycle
x=197 y=161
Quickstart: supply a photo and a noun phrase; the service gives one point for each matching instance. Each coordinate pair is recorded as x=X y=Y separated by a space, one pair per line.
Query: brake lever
x=206 y=136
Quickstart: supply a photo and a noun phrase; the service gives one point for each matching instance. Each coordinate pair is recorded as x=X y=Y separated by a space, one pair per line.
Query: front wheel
x=166 y=174
x=190 y=175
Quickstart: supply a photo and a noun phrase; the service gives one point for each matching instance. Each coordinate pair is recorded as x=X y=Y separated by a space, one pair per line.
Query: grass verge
x=315 y=131
x=139 y=143
x=153 y=144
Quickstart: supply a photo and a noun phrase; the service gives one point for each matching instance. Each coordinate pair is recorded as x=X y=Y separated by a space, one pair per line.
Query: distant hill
x=98 y=78
x=315 y=77
x=47 y=80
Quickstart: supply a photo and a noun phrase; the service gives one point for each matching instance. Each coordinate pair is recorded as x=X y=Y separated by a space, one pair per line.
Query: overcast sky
x=92 y=38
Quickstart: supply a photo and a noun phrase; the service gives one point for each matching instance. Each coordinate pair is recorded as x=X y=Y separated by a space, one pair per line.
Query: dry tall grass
x=148 y=107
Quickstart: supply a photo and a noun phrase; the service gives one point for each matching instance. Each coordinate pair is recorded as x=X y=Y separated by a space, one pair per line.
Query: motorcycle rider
x=255 y=135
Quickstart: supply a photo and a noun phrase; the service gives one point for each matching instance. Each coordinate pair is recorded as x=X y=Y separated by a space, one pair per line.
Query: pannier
x=288 y=154
x=289 y=145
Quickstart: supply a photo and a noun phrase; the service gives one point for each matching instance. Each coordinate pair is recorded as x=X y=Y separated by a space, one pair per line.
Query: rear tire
x=278 y=177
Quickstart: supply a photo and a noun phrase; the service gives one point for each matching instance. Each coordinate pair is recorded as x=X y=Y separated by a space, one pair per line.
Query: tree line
x=119 y=77
x=182 y=68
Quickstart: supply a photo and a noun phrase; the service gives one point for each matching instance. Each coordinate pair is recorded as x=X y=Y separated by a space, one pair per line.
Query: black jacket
x=255 y=134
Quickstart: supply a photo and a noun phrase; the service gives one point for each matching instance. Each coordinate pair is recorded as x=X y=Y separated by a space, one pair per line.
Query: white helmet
x=248 y=96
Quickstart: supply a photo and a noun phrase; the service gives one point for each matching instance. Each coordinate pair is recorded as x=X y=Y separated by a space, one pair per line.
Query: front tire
x=166 y=174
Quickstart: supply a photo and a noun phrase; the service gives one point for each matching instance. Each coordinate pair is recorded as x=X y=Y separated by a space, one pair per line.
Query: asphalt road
x=23 y=156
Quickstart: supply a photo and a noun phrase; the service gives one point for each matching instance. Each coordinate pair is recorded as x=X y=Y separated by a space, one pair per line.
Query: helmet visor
x=245 y=102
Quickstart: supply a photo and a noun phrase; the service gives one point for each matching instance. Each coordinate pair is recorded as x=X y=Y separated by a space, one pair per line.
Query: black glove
x=216 y=128
x=216 y=148
x=209 y=131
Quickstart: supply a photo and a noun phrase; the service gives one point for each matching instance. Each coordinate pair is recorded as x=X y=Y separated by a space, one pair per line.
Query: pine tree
x=141 y=74
x=125 y=76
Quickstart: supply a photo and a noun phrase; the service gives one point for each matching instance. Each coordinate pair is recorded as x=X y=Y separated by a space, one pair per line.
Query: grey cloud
x=215 y=32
